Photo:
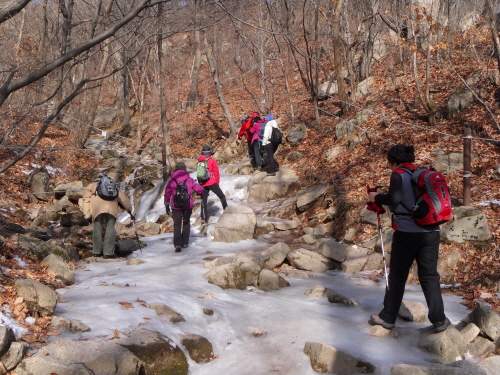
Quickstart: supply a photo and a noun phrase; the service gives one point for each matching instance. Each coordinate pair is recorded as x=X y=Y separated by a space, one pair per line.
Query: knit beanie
x=180 y=165
x=269 y=117
x=401 y=154
x=206 y=150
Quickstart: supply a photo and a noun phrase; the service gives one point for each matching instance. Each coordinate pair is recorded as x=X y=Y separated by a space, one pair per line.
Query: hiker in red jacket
x=245 y=130
x=212 y=184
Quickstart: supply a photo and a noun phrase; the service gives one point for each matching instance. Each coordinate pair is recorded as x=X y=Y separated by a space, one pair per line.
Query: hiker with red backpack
x=246 y=124
x=271 y=141
x=210 y=181
x=179 y=201
x=411 y=240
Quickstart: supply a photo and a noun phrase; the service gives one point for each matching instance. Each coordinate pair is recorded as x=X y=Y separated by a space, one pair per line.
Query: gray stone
x=14 y=355
x=69 y=325
x=466 y=228
x=413 y=311
x=219 y=261
x=7 y=337
x=296 y=134
x=40 y=248
x=235 y=224
x=157 y=352
x=199 y=348
x=487 y=320
x=284 y=225
x=73 y=357
x=72 y=190
x=328 y=360
x=309 y=260
x=447 y=344
x=264 y=189
x=306 y=198
x=134 y=262
x=257 y=332
x=331 y=295
x=294 y=274
x=469 y=332
x=164 y=310
x=455 y=368
x=332 y=249
x=227 y=276
x=355 y=260
x=268 y=280
x=491 y=365
x=285 y=209
x=275 y=255
x=60 y=268
x=38 y=181
x=447 y=163
x=481 y=347
x=40 y=299
x=126 y=247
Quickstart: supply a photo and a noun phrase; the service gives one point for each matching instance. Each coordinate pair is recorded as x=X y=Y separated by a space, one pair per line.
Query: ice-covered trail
x=290 y=318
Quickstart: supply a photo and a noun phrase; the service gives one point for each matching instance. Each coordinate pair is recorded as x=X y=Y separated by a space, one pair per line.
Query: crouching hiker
x=100 y=204
x=179 y=200
x=410 y=242
x=209 y=178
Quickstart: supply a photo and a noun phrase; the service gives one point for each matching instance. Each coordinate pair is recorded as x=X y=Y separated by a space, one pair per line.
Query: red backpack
x=433 y=202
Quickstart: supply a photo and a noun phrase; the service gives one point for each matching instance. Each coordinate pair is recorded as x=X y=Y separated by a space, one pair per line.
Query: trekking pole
x=137 y=236
x=373 y=206
x=383 y=251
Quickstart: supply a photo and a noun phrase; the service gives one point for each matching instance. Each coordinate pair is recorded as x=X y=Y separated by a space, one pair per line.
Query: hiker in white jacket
x=269 y=146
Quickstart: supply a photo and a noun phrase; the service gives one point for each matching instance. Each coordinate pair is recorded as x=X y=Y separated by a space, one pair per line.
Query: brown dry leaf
x=140 y=300
x=209 y=294
x=117 y=334
x=146 y=318
x=62 y=300
x=53 y=332
x=126 y=305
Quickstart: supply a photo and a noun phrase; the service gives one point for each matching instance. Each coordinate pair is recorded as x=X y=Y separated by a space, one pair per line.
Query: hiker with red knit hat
x=211 y=184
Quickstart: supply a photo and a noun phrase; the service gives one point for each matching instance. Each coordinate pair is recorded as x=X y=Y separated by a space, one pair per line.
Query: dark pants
x=104 y=223
x=251 y=153
x=424 y=248
x=207 y=189
x=271 y=150
x=256 y=154
x=182 y=226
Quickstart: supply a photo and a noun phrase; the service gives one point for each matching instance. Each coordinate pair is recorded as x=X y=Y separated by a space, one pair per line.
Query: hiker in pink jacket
x=179 y=199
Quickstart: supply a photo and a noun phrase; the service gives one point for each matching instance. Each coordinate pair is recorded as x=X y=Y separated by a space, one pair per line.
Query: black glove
x=167 y=208
x=132 y=216
x=89 y=219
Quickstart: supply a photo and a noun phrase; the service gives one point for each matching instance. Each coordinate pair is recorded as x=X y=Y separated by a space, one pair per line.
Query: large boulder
x=73 y=190
x=306 y=198
x=263 y=189
x=309 y=260
x=38 y=182
x=73 y=357
x=296 y=134
x=285 y=209
x=227 y=276
x=199 y=348
x=448 y=345
x=454 y=368
x=235 y=224
x=40 y=248
x=275 y=255
x=60 y=268
x=487 y=320
x=468 y=224
x=164 y=310
x=7 y=337
x=40 y=299
x=159 y=354
x=14 y=355
x=326 y=359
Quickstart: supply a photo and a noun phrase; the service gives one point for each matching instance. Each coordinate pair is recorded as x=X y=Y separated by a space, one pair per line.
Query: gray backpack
x=106 y=188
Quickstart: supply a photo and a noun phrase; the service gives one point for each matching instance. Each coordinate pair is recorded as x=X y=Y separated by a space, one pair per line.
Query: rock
x=73 y=357
x=60 y=268
x=257 y=332
x=40 y=299
x=164 y=310
x=126 y=247
x=219 y=261
x=332 y=249
x=467 y=225
x=2 y=242
x=41 y=249
x=413 y=311
x=296 y=134
x=331 y=295
x=275 y=255
x=379 y=331
x=335 y=152
x=285 y=209
x=7 y=337
x=38 y=182
x=356 y=259
x=481 y=347
x=491 y=365
x=487 y=320
x=263 y=189
x=69 y=325
x=346 y=127
x=309 y=239
x=328 y=360
x=309 y=260
x=455 y=368
x=73 y=190
x=158 y=353
x=235 y=224
x=294 y=274
x=459 y=100
x=72 y=219
x=447 y=163
x=227 y=276
x=284 y=225
x=199 y=348
x=306 y=198
x=469 y=332
x=209 y=312
x=447 y=344
x=268 y=280
x=134 y=262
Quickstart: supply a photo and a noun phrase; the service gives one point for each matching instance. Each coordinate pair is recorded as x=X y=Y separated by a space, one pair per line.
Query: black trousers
x=256 y=154
x=424 y=248
x=206 y=191
x=251 y=153
x=271 y=150
x=182 y=226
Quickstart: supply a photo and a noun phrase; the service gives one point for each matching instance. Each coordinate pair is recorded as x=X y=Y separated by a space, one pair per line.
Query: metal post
x=467 y=166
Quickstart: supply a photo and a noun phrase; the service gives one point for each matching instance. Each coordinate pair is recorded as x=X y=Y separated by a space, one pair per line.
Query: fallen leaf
x=126 y=305
x=140 y=300
x=117 y=334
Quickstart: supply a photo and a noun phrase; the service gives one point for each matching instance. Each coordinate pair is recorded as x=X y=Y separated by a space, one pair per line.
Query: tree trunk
x=494 y=30
x=195 y=73
x=338 y=57
x=218 y=87
x=9 y=8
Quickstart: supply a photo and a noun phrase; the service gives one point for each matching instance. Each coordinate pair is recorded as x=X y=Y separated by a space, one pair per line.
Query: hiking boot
x=97 y=255
x=178 y=249
x=441 y=326
x=271 y=174
x=203 y=221
x=112 y=256
x=376 y=320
